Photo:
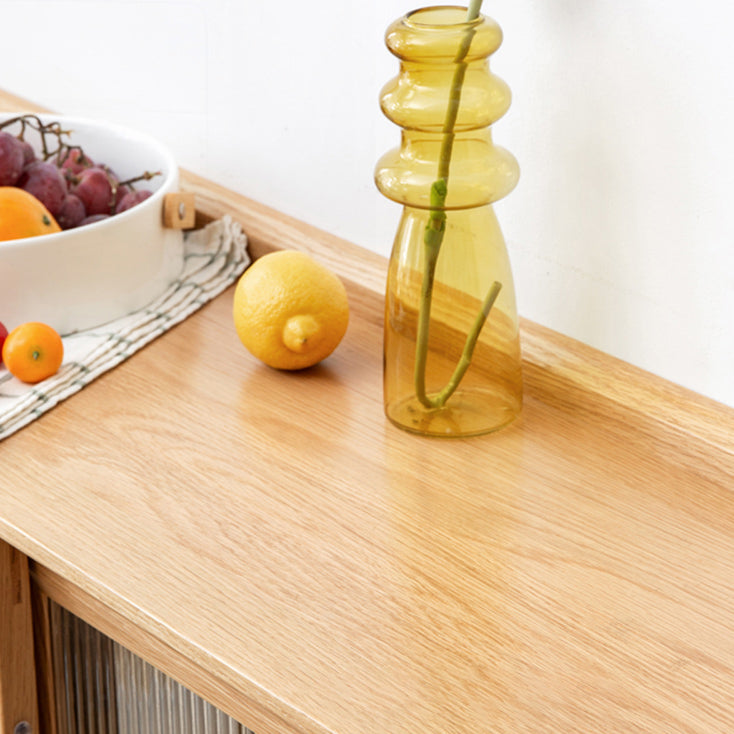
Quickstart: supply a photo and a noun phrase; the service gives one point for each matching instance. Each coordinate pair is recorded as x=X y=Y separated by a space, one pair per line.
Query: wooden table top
x=271 y=541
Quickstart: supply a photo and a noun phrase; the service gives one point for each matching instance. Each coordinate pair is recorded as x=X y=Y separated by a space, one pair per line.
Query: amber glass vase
x=451 y=346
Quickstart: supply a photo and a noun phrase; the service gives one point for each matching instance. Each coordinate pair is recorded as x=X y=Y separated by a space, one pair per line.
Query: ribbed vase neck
x=435 y=35
x=445 y=98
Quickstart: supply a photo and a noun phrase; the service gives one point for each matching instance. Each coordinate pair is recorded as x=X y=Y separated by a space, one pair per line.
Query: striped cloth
x=214 y=257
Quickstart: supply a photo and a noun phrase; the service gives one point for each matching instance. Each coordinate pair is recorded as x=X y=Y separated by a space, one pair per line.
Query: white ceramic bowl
x=84 y=277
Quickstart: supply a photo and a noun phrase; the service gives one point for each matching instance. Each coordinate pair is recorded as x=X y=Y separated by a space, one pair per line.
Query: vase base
x=466 y=414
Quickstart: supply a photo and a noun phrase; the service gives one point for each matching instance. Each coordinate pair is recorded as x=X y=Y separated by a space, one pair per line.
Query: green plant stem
x=473 y=10
x=433 y=239
x=471 y=342
x=424 y=318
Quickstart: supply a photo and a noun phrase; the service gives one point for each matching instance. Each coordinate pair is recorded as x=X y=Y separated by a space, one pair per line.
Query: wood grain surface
x=18 y=695
x=271 y=541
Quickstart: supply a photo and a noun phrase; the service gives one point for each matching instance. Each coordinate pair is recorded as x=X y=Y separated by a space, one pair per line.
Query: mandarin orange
x=33 y=351
x=23 y=215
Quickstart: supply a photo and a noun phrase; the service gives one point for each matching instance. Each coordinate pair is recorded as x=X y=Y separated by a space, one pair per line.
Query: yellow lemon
x=289 y=310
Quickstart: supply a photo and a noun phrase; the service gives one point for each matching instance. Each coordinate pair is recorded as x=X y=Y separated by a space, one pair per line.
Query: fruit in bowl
x=23 y=215
x=106 y=194
x=74 y=188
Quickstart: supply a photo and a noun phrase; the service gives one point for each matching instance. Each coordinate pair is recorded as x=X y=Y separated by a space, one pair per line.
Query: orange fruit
x=33 y=351
x=22 y=215
x=289 y=310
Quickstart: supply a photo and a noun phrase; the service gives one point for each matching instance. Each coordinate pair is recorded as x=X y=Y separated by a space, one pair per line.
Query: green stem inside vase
x=433 y=238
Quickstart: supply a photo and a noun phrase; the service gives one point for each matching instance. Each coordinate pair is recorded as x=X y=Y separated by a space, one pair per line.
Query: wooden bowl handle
x=179 y=211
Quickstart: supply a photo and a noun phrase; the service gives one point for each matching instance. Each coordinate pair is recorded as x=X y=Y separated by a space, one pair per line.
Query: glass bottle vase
x=451 y=343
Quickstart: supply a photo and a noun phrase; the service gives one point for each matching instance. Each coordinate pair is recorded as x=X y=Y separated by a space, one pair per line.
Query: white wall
x=621 y=231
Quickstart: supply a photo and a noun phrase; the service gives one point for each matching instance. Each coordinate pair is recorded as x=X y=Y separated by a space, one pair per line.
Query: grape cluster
x=75 y=189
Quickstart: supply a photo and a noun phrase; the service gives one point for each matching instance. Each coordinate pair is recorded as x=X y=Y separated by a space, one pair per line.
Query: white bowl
x=84 y=277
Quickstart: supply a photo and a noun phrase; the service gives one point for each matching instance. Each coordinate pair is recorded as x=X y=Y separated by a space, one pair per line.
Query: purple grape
x=72 y=212
x=74 y=161
x=120 y=192
x=29 y=155
x=45 y=182
x=132 y=198
x=108 y=170
x=92 y=218
x=95 y=190
x=11 y=159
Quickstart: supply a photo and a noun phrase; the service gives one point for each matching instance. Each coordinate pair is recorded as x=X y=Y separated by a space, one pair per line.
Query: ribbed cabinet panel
x=103 y=688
